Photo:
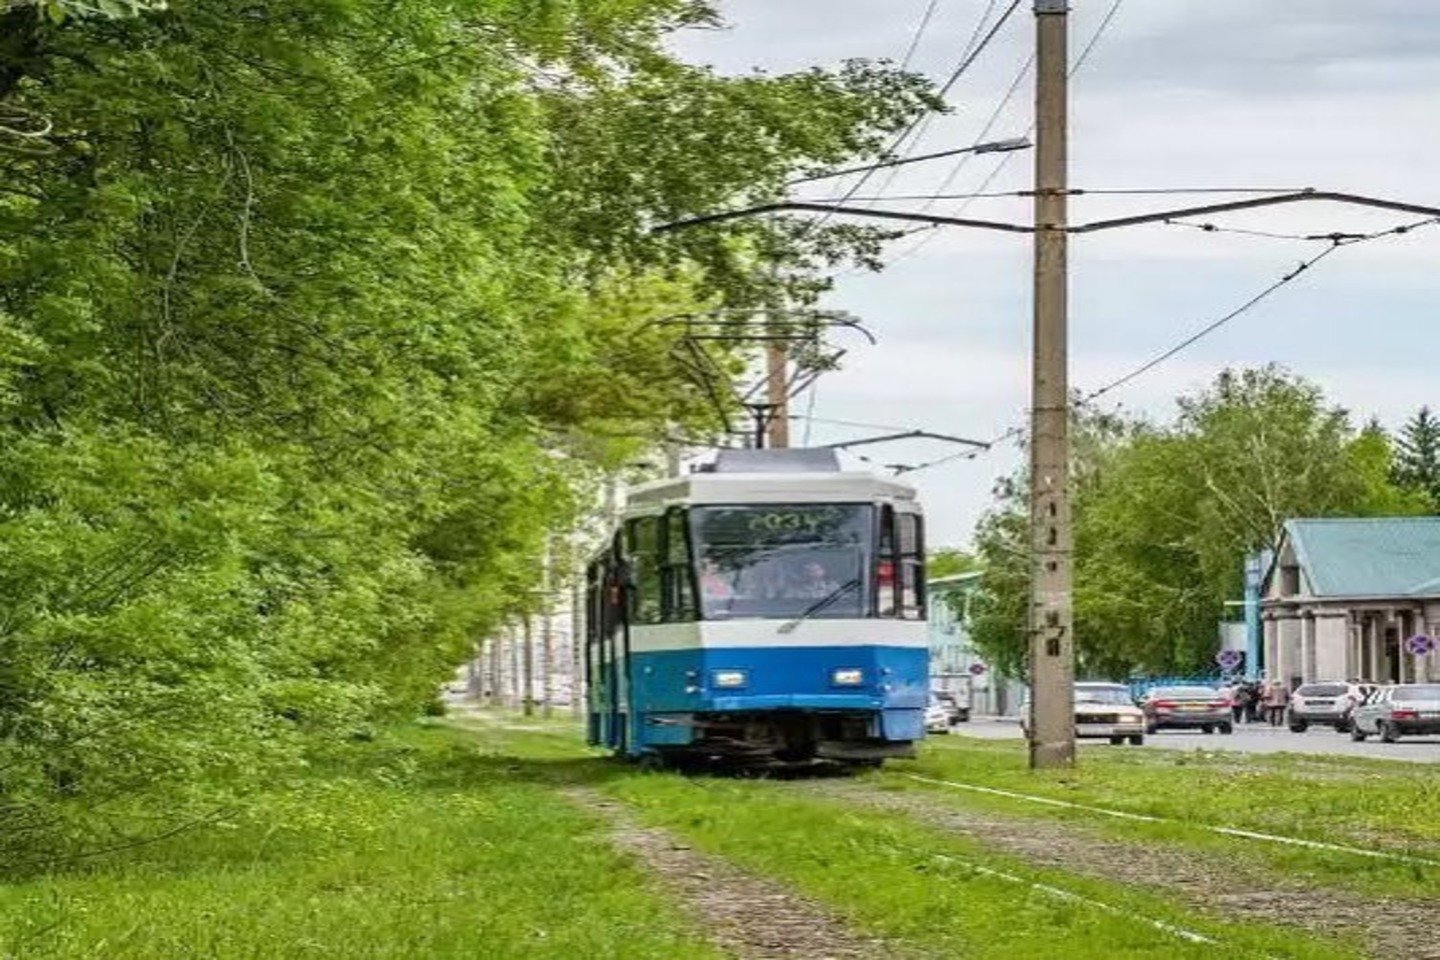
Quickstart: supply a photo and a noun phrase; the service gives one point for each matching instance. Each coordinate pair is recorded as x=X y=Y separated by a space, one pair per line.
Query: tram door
x=605 y=655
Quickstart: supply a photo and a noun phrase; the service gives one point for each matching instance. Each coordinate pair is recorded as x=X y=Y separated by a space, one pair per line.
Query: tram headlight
x=730 y=679
x=847 y=677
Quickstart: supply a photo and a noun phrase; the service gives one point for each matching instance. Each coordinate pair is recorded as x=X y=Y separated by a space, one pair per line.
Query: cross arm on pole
x=1303 y=196
x=804 y=207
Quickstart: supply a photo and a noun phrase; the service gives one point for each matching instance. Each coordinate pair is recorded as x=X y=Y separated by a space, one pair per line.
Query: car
x=1187 y=708
x=1107 y=710
x=1102 y=711
x=958 y=714
x=938 y=718
x=1323 y=703
x=1401 y=710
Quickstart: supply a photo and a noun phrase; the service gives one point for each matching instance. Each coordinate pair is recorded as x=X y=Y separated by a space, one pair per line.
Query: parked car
x=957 y=690
x=1107 y=710
x=1327 y=703
x=1405 y=709
x=951 y=703
x=1102 y=711
x=938 y=718
x=1187 y=708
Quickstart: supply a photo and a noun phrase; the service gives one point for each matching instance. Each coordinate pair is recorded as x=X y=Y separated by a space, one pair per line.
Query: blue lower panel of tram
x=676 y=694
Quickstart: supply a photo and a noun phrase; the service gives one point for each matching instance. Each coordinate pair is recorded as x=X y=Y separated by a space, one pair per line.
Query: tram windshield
x=782 y=560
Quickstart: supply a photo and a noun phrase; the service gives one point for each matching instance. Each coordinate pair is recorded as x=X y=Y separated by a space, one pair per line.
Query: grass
x=449 y=840
x=1369 y=804
x=918 y=887
x=422 y=847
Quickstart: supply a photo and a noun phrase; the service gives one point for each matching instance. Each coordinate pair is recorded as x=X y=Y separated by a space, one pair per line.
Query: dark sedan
x=1186 y=708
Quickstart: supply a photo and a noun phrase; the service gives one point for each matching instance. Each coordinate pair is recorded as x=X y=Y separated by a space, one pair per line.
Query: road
x=1247 y=738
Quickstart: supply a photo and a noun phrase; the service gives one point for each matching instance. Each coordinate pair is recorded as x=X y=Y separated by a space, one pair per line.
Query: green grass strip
x=421 y=848
x=919 y=886
x=1367 y=804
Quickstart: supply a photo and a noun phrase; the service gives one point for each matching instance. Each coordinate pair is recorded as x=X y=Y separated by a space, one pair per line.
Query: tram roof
x=772 y=487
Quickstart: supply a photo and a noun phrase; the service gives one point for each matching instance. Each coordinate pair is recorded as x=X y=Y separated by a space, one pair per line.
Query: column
x=1271 y=646
x=1331 y=647
x=1288 y=663
x=1307 y=648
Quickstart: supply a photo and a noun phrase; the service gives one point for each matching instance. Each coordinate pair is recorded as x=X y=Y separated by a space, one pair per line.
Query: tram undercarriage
x=783 y=737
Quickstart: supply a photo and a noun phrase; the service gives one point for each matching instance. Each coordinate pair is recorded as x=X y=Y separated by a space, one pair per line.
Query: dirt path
x=748 y=917
x=1392 y=929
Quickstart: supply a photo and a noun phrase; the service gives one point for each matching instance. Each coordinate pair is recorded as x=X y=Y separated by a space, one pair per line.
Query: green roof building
x=1347 y=598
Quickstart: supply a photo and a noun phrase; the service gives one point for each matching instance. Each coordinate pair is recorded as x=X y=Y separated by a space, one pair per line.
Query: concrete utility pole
x=777 y=393
x=527 y=652
x=577 y=645
x=1052 y=651
x=547 y=626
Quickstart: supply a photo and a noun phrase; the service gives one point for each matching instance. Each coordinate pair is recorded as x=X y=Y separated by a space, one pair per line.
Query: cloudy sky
x=1331 y=94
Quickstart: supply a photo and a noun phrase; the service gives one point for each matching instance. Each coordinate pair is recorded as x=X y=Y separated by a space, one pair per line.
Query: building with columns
x=1343 y=597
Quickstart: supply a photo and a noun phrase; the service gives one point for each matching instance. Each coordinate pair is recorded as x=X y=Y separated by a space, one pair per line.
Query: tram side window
x=885 y=565
x=911 y=542
x=679 y=590
x=643 y=536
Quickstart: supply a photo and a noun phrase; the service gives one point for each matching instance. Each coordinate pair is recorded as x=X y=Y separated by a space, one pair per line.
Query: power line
x=965 y=61
x=1085 y=53
x=1335 y=243
x=919 y=33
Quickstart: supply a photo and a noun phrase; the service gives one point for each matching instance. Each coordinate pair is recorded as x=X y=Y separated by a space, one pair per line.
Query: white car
x=1103 y=711
x=938 y=718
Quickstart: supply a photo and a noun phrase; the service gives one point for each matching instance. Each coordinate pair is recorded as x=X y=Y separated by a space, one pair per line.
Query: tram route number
x=792 y=521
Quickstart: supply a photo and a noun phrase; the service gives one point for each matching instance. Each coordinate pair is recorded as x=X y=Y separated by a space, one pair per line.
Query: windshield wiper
x=820 y=604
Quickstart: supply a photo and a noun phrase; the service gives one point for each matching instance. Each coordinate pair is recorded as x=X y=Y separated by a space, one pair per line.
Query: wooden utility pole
x=1052 y=650
x=777 y=392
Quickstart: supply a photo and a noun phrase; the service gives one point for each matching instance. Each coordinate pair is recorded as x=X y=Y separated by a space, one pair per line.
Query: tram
x=767 y=610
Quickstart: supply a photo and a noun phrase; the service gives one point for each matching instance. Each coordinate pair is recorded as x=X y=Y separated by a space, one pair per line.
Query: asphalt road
x=1247 y=738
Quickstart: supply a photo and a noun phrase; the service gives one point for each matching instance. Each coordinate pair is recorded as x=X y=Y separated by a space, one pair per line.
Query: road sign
x=1420 y=645
x=976 y=669
x=1229 y=659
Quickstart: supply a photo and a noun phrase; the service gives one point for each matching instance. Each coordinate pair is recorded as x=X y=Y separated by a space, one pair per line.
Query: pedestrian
x=1241 y=702
x=1253 y=705
x=1275 y=700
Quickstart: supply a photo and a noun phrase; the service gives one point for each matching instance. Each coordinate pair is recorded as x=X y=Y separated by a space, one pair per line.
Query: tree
x=948 y=562
x=1164 y=517
x=315 y=318
x=1417 y=456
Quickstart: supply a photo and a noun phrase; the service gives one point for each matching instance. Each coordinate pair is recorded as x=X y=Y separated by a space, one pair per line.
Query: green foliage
x=1165 y=517
x=949 y=562
x=1417 y=456
x=415 y=846
x=315 y=318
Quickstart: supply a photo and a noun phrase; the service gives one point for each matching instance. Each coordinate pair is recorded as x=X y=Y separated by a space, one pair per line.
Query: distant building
x=953 y=654
x=1343 y=598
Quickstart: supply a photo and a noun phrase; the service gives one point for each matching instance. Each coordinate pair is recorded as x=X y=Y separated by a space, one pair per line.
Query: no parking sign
x=1420 y=645
x=1229 y=659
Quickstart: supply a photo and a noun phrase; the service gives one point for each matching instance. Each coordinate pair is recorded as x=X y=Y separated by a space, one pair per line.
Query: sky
x=1329 y=94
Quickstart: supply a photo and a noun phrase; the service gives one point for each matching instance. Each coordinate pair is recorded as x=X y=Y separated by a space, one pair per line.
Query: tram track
x=1210 y=828
x=1223 y=887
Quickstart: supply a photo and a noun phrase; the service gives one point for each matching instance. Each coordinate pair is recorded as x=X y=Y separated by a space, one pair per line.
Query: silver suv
x=1327 y=704
x=1407 y=708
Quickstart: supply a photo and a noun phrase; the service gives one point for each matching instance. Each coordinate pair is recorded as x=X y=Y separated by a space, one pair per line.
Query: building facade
x=952 y=654
x=1344 y=598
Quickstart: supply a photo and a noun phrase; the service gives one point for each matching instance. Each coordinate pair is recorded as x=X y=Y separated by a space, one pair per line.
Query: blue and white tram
x=769 y=610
